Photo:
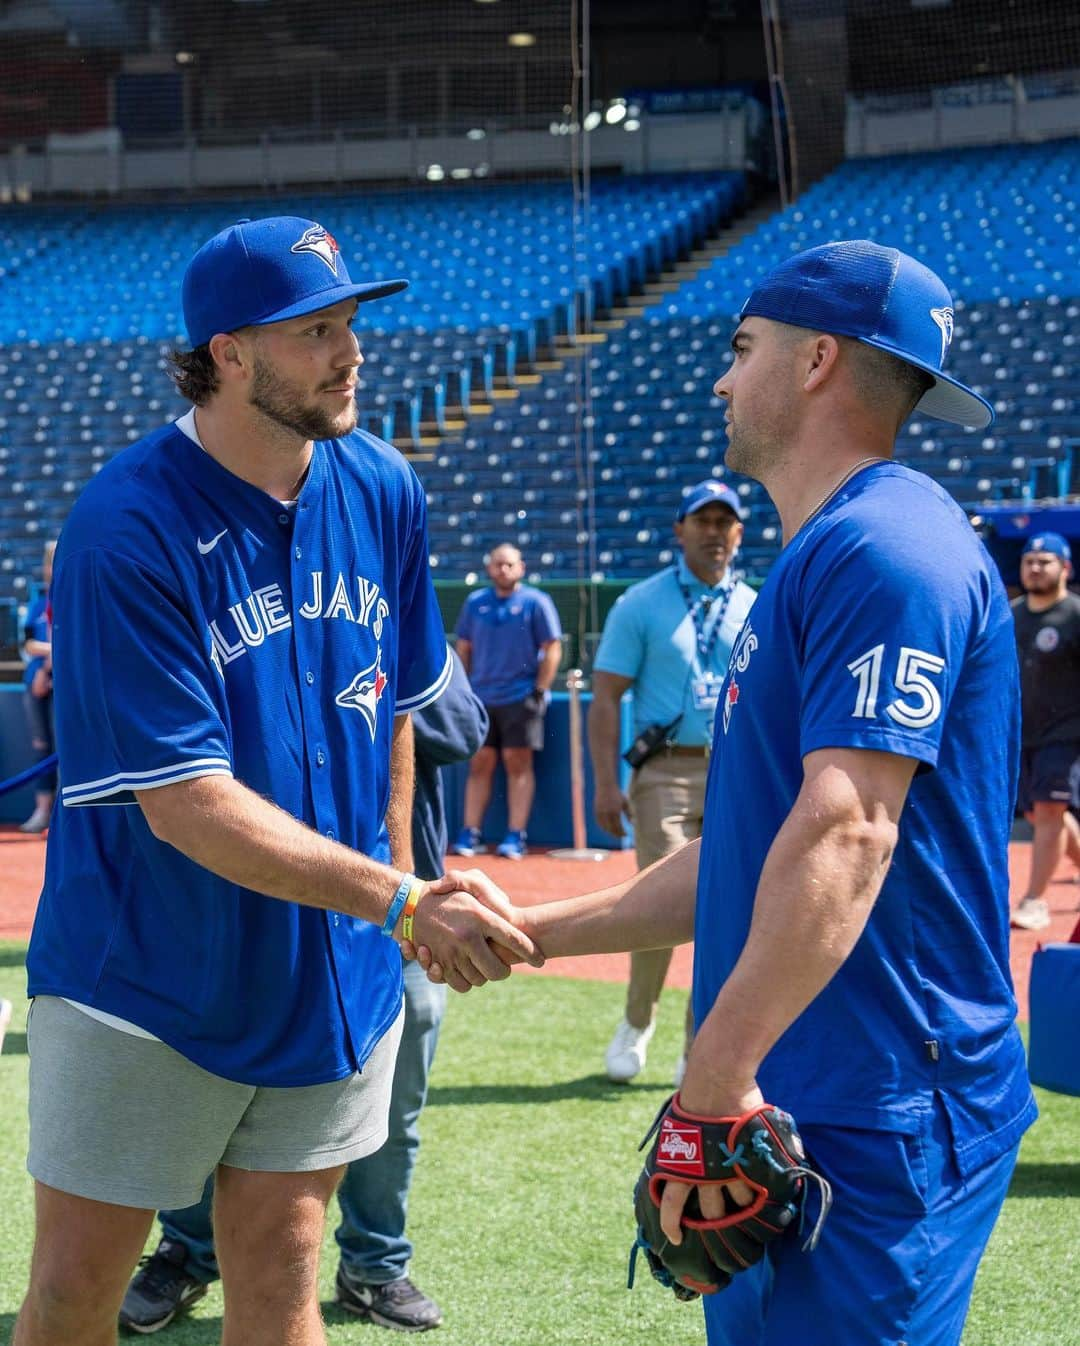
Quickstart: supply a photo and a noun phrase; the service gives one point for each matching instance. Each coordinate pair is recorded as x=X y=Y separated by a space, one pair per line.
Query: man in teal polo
x=668 y=639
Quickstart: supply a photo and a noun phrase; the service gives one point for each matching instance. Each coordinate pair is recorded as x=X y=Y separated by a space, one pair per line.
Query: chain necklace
x=863 y=462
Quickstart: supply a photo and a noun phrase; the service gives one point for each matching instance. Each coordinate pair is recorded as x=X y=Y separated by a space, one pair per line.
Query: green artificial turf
x=520 y=1211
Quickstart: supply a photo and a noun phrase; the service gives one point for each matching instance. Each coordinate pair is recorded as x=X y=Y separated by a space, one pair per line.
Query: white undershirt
x=111 y=1020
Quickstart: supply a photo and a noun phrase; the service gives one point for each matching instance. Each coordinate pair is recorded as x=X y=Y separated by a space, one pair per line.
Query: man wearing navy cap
x=1047 y=619
x=243 y=619
x=850 y=925
x=668 y=641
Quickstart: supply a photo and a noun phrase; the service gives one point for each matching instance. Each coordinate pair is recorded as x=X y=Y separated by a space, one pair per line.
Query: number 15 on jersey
x=913 y=670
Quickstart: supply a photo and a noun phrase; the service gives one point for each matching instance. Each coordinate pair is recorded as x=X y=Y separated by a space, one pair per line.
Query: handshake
x=466 y=931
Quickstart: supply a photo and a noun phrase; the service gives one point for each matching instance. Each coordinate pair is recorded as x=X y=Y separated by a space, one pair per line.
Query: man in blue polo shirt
x=851 y=955
x=667 y=640
x=510 y=641
x=243 y=619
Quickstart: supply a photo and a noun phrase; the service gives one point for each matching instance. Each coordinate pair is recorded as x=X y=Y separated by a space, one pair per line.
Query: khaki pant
x=667 y=800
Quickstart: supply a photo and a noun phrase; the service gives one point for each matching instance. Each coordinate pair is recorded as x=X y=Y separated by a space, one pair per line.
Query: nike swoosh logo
x=206 y=547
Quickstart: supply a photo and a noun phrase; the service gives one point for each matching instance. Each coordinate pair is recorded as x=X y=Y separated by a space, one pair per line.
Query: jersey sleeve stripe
x=89 y=791
x=430 y=694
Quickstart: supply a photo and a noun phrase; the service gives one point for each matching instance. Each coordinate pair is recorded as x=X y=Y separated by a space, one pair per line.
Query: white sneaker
x=1031 y=914
x=680 y=1071
x=38 y=820
x=625 y=1058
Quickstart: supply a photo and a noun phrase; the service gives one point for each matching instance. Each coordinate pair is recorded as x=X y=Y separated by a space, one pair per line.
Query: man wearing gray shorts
x=243 y=620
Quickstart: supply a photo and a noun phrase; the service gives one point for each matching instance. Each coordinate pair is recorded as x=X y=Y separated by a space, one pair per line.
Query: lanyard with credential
x=699 y=610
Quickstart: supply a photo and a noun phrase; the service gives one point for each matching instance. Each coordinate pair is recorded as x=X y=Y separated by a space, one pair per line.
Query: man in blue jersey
x=243 y=619
x=851 y=912
x=510 y=641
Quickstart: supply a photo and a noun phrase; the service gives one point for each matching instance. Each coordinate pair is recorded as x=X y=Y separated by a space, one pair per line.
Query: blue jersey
x=507 y=635
x=883 y=626
x=202 y=628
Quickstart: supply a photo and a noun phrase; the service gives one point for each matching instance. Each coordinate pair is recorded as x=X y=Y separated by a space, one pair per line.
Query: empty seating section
x=89 y=305
x=653 y=426
x=581 y=460
x=476 y=258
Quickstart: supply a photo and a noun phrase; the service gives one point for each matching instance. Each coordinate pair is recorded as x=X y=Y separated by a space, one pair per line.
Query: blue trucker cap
x=263 y=271
x=1053 y=543
x=708 y=493
x=879 y=296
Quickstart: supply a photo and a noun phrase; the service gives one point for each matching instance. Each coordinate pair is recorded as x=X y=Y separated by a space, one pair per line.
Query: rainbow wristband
x=416 y=892
x=400 y=898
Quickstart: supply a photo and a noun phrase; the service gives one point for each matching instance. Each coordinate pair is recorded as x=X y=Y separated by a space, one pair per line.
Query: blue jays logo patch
x=944 y=319
x=321 y=243
x=365 y=692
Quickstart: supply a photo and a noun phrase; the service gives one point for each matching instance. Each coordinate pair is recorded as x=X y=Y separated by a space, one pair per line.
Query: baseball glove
x=763 y=1150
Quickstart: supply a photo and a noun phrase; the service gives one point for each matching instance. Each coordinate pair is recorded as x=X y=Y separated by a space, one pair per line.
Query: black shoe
x=397 y=1304
x=160 y=1289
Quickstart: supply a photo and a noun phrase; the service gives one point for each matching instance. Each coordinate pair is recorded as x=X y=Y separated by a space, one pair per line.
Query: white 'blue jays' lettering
x=264 y=612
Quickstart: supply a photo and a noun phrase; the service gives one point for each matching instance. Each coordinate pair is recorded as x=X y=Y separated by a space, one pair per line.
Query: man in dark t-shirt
x=1047 y=619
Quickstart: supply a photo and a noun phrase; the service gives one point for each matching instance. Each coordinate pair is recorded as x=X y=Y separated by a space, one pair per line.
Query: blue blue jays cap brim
x=375 y=289
x=258 y=272
x=883 y=298
x=709 y=492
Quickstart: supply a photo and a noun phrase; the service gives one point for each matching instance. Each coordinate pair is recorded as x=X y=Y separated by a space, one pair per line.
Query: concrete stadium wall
x=944 y=124
x=715 y=140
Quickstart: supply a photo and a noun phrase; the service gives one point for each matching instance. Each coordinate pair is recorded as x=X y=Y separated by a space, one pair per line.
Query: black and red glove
x=761 y=1149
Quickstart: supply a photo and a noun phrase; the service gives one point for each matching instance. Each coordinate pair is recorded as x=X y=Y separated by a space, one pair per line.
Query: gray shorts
x=127 y=1120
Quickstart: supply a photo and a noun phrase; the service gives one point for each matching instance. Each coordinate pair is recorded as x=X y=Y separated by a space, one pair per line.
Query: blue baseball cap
x=879 y=296
x=1053 y=543
x=263 y=271
x=708 y=493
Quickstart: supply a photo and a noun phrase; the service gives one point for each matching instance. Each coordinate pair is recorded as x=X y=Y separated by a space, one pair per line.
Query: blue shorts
x=898 y=1252
x=1051 y=774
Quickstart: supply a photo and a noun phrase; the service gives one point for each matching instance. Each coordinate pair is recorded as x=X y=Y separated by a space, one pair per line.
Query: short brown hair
x=882 y=380
x=194 y=374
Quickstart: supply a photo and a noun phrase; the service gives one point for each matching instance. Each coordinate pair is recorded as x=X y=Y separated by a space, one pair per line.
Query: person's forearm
x=603 y=726
x=817 y=888
x=37 y=649
x=652 y=910
x=402 y=786
x=235 y=833
x=548 y=666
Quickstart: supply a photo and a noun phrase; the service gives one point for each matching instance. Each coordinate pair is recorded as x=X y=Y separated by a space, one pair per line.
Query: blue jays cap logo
x=321 y=243
x=944 y=319
x=365 y=692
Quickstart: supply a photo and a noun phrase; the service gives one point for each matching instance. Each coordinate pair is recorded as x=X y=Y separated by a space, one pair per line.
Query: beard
x=283 y=403
x=750 y=454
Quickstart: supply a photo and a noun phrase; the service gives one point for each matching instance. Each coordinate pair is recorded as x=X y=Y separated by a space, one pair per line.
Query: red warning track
x=538 y=878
